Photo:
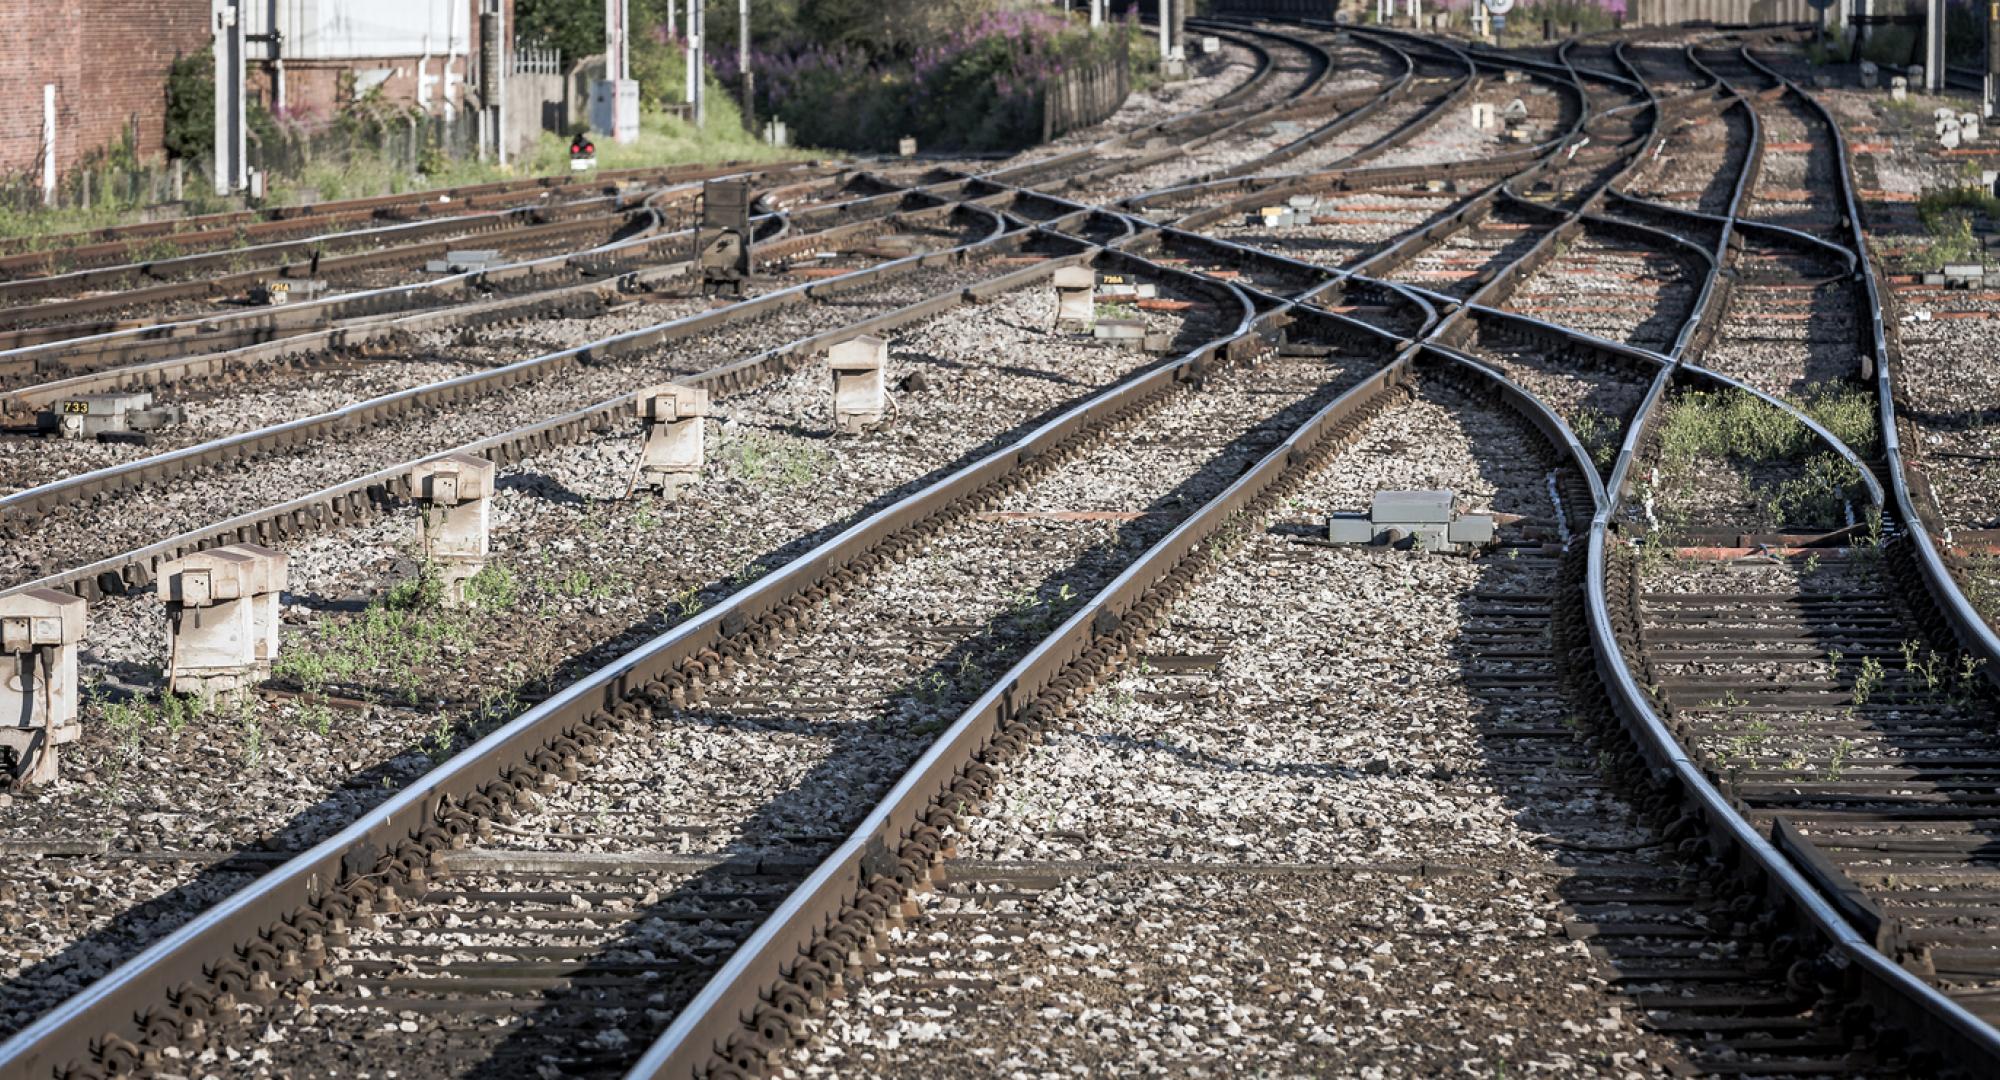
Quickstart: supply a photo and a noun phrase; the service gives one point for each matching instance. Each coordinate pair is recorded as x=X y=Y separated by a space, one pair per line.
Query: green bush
x=1890 y=46
x=191 y=105
x=977 y=89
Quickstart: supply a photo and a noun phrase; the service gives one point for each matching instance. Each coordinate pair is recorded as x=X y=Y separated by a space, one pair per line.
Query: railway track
x=561 y=895
x=809 y=241
x=120 y=247
x=1477 y=788
x=370 y=270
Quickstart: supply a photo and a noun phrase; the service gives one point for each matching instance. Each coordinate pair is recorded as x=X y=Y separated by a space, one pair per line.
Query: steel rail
x=748 y=1009
x=58 y=338
x=27 y=1047
x=610 y=279
x=386 y=296
x=365 y=498
x=142 y=991
x=752 y=1005
x=1974 y=633
x=1216 y=122
x=214 y=331
x=24 y=507
x=1732 y=839
x=1195 y=123
x=1377 y=100
x=103 y=577
x=481 y=281
x=621 y=226
x=20 y=509
x=125 y=239
x=1886 y=984
x=1442 y=227
x=417 y=235
x=1899 y=991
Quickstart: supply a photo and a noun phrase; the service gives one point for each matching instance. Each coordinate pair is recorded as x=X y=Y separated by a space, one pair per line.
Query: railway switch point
x=91 y=416
x=1076 y=306
x=222 y=618
x=1426 y=516
x=40 y=630
x=454 y=531
x=859 y=367
x=673 y=450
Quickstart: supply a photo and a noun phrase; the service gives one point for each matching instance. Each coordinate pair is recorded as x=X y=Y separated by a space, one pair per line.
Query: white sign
x=1499 y=7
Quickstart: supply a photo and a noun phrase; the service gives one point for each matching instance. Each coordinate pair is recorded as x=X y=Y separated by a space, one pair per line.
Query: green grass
x=766 y=459
x=1703 y=428
x=1947 y=215
x=1598 y=433
x=399 y=638
x=1849 y=414
x=1730 y=424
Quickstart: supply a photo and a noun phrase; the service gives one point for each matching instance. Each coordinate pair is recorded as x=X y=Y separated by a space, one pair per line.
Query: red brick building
x=108 y=61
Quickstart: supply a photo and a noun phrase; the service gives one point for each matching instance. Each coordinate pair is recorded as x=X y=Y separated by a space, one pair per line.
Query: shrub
x=975 y=88
x=1890 y=46
x=190 y=130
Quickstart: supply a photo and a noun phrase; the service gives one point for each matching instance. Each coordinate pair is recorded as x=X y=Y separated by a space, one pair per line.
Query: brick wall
x=108 y=60
x=316 y=90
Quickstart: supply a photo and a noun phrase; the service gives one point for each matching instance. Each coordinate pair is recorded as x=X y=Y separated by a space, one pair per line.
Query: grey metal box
x=1472 y=529
x=1350 y=529
x=1412 y=507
